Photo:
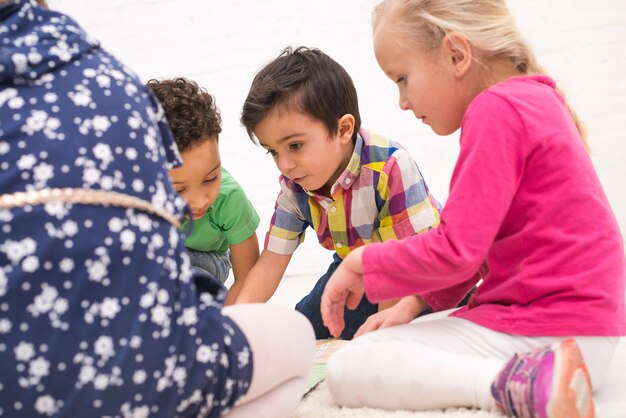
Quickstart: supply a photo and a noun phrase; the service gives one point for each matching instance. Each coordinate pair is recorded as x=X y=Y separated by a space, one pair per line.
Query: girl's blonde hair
x=487 y=25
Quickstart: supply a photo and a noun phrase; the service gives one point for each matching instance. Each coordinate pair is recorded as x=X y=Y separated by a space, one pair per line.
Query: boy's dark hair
x=190 y=111
x=307 y=79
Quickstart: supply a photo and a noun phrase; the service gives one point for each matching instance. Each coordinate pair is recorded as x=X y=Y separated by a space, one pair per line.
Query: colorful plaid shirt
x=381 y=195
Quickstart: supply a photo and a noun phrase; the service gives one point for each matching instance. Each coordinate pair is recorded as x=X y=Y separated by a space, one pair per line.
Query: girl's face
x=426 y=80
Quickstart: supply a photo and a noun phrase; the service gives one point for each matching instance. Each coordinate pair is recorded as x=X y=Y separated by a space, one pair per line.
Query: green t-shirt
x=231 y=220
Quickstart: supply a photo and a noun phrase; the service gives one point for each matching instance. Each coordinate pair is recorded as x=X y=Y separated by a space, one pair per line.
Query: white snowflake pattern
x=50 y=97
x=24 y=351
x=104 y=81
x=87 y=373
x=66 y=265
x=189 y=316
x=30 y=264
x=206 y=354
x=243 y=357
x=139 y=377
x=8 y=94
x=16 y=103
x=21 y=63
x=135 y=342
x=91 y=175
x=5 y=326
x=57 y=209
x=131 y=153
x=134 y=120
x=38 y=368
x=16 y=250
x=62 y=50
x=127 y=239
x=46 y=405
x=68 y=229
x=109 y=307
x=142 y=222
x=42 y=173
x=97 y=270
x=103 y=346
x=101 y=123
x=49 y=303
x=35 y=122
x=138 y=185
x=116 y=224
x=26 y=162
x=130 y=89
x=103 y=153
x=5 y=147
x=81 y=96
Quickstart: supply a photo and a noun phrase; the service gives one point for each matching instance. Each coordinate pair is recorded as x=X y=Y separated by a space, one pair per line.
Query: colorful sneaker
x=548 y=382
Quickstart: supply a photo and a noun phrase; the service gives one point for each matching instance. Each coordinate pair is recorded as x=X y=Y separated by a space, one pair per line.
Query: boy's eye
x=295 y=146
x=271 y=152
x=400 y=79
x=180 y=191
x=212 y=179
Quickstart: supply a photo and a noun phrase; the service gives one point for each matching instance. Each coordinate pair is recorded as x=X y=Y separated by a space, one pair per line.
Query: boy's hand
x=243 y=257
x=401 y=313
x=344 y=288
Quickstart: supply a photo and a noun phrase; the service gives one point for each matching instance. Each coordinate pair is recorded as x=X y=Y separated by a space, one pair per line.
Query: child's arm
x=263 y=279
x=404 y=311
x=243 y=257
x=387 y=304
x=417 y=213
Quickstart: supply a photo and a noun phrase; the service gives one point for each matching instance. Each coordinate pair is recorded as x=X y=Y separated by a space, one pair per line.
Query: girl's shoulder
x=522 y=87
x=526 y=96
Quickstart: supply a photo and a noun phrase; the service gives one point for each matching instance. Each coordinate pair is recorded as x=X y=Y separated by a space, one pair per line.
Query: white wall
x=221 y=44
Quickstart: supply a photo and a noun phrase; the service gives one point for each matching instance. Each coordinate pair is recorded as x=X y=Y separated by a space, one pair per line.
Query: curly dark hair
x=190 y=111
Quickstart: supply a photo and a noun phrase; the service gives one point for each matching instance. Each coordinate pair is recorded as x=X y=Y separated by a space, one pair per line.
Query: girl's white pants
x=438 y=361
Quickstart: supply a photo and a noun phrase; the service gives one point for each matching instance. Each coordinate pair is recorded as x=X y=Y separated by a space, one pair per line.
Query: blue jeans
x=310 y=307
x=216 y=264
x=206 y=283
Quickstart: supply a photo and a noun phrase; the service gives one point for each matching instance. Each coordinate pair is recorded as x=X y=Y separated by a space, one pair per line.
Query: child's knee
x=338 y=368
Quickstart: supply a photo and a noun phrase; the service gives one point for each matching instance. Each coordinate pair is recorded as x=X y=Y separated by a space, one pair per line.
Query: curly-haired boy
x=224 y=220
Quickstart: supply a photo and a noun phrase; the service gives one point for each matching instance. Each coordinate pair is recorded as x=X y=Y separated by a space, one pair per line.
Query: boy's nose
x=199 y=201
x=285 y=164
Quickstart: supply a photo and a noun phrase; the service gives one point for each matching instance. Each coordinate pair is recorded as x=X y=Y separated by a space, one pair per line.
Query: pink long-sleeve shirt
x=524 y=196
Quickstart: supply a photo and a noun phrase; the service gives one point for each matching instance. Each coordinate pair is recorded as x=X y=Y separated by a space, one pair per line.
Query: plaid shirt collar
x=349 y=174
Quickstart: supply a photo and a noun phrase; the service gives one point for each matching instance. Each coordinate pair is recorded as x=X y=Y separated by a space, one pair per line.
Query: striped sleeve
x=287 y=227
x=408 y=208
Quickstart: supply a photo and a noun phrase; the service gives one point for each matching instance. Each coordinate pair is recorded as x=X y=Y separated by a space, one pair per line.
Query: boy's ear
x=457 y=53
x=345 y=128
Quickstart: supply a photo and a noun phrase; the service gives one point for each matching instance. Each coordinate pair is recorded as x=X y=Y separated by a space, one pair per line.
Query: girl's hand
x=344 y=288
x=401 y=313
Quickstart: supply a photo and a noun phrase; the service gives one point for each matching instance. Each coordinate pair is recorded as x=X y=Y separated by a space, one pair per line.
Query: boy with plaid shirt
x=350 y=185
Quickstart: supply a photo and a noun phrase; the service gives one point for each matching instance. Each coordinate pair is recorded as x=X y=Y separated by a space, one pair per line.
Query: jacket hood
x=35 y=41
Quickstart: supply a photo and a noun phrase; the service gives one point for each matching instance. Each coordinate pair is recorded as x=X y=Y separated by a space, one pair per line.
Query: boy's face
x=303 y=149
x=198 y=179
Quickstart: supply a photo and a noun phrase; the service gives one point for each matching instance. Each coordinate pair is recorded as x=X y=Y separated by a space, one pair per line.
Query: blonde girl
x=541 y=330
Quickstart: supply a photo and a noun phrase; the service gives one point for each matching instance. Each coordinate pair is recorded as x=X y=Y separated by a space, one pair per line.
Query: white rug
x=610 y=401
x=318 y=404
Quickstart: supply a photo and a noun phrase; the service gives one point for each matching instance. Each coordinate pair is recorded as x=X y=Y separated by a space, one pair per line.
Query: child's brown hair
x=190 y=111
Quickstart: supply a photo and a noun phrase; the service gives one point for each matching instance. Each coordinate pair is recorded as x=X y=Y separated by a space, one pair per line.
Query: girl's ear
x=345 y=128
x=457 y=53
